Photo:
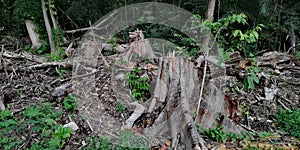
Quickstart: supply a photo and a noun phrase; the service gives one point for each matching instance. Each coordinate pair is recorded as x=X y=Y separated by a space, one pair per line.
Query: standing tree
x=48 y=28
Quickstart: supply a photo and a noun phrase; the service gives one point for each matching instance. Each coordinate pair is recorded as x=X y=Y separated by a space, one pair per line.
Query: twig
x=201 y=90
x=284 y=99
x=111 y=134
x=47 y=64
x=87 y=121
x=292 y=48
x=203 y=78
x=286 y=108
x=247 y=128
x=82 y=29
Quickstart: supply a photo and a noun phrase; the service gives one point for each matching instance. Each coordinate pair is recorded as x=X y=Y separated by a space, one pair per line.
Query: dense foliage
x=281 y=18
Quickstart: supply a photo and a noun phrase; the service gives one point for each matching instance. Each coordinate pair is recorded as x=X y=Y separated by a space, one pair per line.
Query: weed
x=43 y=49
x=250 y=147
x=128 y=140
x=100 y=143
x=288 y=121
x=61 y=71
x=120 y=107
x=232 y=87
x=215 y=134
x=244 y=108
x=55 y=57
x=59 y=136
x=70 y=103
x=7 y=125
x=251 y=77
x=298 y=55
x=139 y=84
x=6 y=119
x=264 y=134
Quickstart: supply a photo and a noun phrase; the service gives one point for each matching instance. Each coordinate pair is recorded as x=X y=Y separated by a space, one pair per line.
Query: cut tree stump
x=174 y=101
x=178 y=88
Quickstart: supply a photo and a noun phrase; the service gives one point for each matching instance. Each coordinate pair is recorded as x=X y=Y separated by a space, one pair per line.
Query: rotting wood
x=34 y=36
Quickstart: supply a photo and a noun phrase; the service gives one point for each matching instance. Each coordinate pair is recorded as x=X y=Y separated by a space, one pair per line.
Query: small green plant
x=128 y=140
x=55 y=57
x=251 y=77
x=216 y=134
x=120 y=107
x=139 y=84
x=232 y=87
x=244 y=108
x=6 y=119
x=61 y=71
x=100 y=143
x=113 y=41
x=38 y=120
x=43 y=49
x=59 y=137
x=252 y=147
x=264 y=134
x=298 y=55
x=70 y=102
x=288 y=121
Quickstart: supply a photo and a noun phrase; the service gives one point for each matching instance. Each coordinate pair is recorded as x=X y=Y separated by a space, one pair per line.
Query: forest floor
x=36 y=115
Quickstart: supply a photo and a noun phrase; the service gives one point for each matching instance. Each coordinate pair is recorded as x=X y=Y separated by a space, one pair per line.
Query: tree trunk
x=209 y=15
x=54 y=23
x=211 y=9
x=292 y=38
x=34 y=37
x=48 y=28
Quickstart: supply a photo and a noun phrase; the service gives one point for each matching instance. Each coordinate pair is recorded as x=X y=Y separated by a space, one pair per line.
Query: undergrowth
x=40 y=127
x=289 y=121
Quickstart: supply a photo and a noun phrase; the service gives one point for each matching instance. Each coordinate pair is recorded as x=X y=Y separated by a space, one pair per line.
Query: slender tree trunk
x=55 y=26
x=48 y=27
x=209 y=15
x=210 y=9
x=292 y=37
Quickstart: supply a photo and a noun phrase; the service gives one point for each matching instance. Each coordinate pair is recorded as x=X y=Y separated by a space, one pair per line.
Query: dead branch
x=49 y=64
x=82 y=29
x=23 y=55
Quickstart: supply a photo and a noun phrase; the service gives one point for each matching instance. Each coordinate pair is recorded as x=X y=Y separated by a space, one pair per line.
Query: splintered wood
x=139 y=47
x=178 y=88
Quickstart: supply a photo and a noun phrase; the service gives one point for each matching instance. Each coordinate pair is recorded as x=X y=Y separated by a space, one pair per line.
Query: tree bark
x=48 y=28
x=55 y=26
x=210 y=9
x=34 y=37
x=209 y=15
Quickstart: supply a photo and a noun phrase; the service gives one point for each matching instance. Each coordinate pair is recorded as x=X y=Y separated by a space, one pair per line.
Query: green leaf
x=254 y=77
x=54 y=142
x=255 y=34
x=235 y=33
x=246 y=85
x=250 y=82
x=255 y=69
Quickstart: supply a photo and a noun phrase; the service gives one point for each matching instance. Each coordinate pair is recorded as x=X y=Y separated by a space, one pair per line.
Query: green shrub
x=70 y=103
x=139 y=85
x=289 y=121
